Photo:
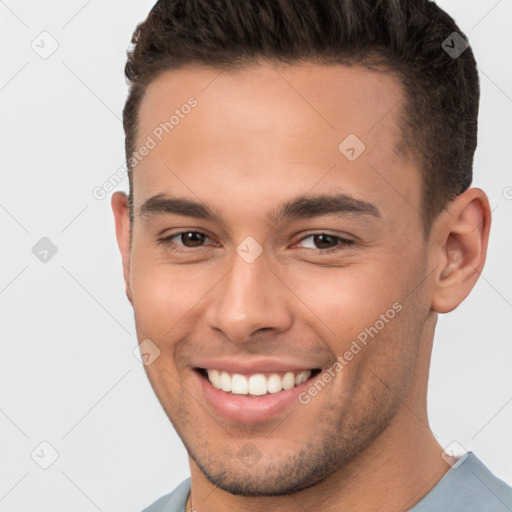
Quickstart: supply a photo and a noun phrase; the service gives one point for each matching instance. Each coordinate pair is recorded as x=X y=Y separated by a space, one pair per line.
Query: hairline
x=372 y=61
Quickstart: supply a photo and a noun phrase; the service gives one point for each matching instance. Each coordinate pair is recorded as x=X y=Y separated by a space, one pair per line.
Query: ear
x=460 y=237
x=122 y=220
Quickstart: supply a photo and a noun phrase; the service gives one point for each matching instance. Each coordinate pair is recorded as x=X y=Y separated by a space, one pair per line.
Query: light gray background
x=67 y=372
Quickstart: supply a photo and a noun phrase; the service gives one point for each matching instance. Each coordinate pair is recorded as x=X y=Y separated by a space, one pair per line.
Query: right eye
x=188 y=239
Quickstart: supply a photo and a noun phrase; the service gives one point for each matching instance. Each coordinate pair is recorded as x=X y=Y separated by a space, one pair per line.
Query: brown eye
x=325 y=242
x=192 y=238
x=185 y=239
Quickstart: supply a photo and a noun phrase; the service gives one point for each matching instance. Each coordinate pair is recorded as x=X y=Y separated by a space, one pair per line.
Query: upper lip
x=251 y=366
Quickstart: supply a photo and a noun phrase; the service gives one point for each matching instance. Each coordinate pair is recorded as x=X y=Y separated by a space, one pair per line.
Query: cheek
x=165 y=295
x=155 y=304
x=358 y=311
x=346 y=301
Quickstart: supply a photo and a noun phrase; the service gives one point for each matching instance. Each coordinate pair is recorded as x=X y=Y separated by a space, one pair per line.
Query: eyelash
x=166 y=241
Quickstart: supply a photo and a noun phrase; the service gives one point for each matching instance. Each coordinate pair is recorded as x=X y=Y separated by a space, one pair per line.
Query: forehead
x=325 y=98
x=271 y=132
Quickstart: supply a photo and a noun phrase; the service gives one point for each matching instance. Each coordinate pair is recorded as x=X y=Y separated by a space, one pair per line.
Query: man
x=299 y=214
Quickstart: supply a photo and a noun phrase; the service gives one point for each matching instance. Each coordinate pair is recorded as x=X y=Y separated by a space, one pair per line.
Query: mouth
x=256 y=384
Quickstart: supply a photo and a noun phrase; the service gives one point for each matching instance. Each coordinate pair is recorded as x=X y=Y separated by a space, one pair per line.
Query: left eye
x=324 y=241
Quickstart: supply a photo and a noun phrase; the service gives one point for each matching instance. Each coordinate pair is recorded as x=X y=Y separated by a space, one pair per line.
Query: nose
x=249 y=298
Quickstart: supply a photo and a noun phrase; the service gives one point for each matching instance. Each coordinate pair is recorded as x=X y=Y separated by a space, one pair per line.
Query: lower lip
x=248 y=408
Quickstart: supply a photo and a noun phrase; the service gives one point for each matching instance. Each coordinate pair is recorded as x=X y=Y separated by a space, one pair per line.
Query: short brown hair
x=440 y=111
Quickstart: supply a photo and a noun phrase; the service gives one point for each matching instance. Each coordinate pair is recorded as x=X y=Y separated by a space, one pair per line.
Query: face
x=277 y=251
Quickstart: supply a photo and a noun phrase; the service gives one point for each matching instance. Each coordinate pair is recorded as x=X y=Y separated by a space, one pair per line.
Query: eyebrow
x=302 y=207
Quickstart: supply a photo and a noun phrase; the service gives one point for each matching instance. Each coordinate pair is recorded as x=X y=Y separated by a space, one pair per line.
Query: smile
x=257 y=384
x=252 y=390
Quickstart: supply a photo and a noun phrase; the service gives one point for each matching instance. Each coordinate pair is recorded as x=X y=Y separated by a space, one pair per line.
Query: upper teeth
x=257 y=384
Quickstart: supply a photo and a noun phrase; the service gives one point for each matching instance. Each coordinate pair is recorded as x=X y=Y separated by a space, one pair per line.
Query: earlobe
x=119 y=204
x=462 y=235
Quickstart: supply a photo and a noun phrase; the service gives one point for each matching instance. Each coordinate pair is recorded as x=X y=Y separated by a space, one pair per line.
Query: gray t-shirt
x=467 y=487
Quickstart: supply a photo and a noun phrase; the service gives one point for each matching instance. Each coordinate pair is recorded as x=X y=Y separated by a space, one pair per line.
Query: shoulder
x=172 y=502
x=469 y=486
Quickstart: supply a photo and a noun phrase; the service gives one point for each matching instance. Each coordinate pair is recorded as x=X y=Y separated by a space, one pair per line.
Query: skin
x=261 y=136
